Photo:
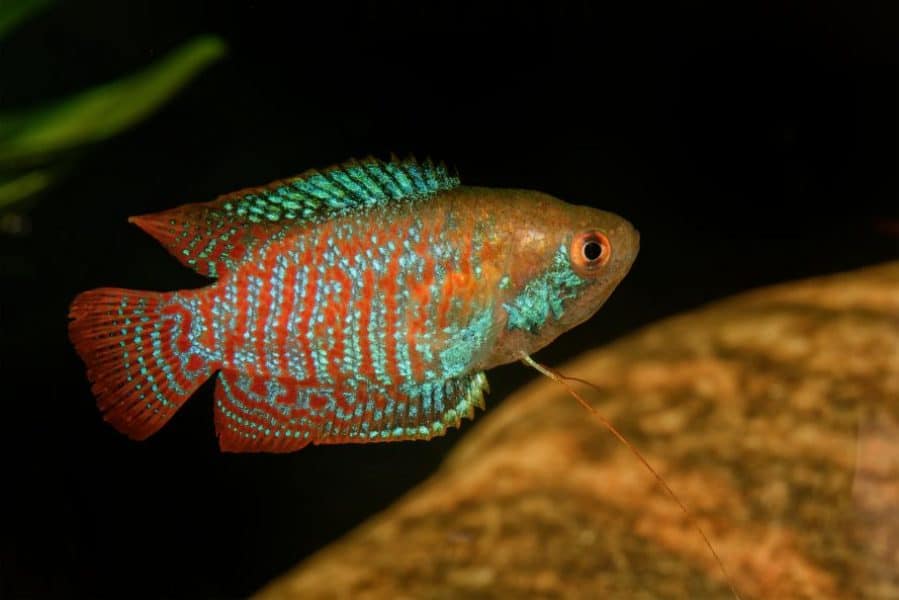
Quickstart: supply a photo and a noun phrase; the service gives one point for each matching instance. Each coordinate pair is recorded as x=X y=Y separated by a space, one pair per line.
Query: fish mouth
x=631 y=238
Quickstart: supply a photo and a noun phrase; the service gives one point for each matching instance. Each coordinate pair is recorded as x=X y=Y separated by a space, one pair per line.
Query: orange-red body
x=347 y=310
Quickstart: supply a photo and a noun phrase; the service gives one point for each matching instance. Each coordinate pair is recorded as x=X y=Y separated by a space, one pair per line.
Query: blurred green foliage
x=36 y=144
x=13 y=12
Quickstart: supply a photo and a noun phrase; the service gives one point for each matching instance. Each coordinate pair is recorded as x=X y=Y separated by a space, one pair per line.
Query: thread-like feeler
x=562 y=380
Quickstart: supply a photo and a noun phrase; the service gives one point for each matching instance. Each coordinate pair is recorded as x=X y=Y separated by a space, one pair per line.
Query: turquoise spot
x=465 y=343
x=545 y=295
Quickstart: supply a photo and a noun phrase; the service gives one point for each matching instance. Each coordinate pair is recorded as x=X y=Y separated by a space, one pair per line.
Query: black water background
x=750 y=143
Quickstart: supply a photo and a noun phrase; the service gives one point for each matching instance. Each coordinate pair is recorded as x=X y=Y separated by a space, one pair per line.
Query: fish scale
x=360 y=303
x=324 y=304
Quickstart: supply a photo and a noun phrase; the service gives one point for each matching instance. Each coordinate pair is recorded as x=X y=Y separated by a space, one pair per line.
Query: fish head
x=563 y=262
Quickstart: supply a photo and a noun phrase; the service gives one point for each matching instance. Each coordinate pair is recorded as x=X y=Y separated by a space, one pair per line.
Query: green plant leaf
x=35 y=135
x=18 y=187
x=14 y=12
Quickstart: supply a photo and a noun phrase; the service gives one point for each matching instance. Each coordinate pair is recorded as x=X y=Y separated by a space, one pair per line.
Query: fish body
x=362 y=303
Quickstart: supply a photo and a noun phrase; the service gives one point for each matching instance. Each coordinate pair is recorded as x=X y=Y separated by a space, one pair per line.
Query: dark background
x=750 y=143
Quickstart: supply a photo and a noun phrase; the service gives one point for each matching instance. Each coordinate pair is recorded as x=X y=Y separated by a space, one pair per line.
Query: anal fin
x=279 y=415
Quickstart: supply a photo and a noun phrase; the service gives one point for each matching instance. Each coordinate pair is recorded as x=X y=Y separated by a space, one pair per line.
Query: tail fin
x=139 y=356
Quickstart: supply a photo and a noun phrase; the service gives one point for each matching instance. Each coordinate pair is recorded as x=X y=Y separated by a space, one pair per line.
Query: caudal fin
x=139 y=356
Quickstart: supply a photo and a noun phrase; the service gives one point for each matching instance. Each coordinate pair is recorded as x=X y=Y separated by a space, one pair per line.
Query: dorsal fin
x=212 y=237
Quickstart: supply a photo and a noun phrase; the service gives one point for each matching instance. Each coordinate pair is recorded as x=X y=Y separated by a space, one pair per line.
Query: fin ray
x=258 y=415
x=212 y=237
x=132 y=350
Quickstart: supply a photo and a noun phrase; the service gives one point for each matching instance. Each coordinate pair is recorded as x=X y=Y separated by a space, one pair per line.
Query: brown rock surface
x=774 y=415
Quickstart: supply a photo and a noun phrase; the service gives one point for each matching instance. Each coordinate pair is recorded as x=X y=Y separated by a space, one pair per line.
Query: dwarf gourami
x=360 y=303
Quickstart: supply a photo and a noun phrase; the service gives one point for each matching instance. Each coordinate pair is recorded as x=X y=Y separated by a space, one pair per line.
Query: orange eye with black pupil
x=589 y=252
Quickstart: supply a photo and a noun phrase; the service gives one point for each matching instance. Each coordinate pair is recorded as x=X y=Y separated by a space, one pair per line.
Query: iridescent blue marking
x=231 y=303
x=296 y=357
x=198 y=329
x=376 y=339
x=465 y=343
x=356 y=185
x=276 y=285
x=219 y=312
x=245 y=357
x=351 y=360
x=545 y=295
x=320 y=368
x=175 y=325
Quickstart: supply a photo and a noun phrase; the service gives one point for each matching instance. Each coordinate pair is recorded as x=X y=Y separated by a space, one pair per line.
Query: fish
x=359 y=303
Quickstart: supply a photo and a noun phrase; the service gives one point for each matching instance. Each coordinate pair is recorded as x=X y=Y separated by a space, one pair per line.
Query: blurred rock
x=774 y=416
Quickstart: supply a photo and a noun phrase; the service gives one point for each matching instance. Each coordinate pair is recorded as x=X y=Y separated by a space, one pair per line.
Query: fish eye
x=590 y=251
